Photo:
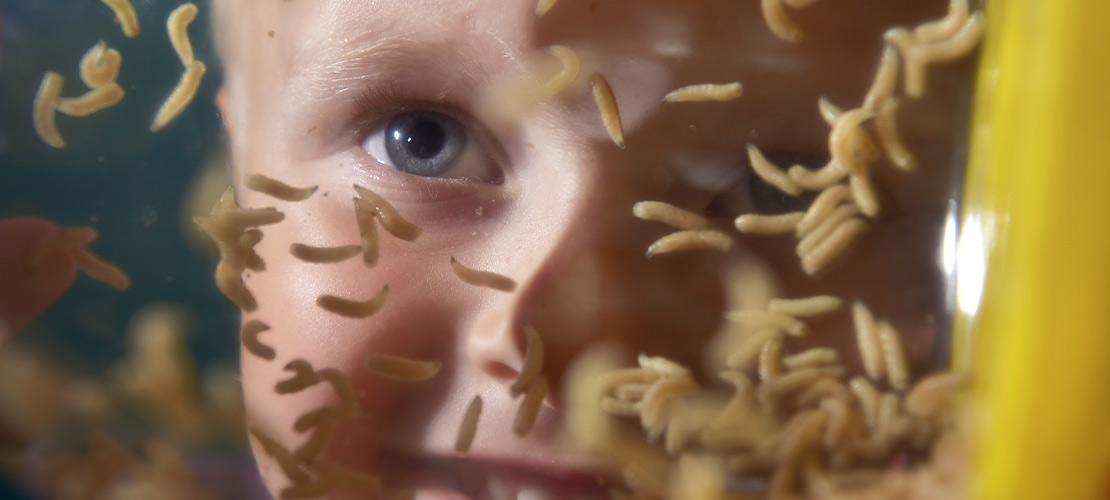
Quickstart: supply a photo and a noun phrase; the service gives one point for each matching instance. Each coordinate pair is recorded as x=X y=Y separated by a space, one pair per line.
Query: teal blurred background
x=115 y=175
x=133 y=186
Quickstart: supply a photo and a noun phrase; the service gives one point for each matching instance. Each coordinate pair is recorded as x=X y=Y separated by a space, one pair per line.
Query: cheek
x=419 y=320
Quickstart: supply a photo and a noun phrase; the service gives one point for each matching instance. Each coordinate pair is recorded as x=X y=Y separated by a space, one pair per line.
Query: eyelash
x=379 y=100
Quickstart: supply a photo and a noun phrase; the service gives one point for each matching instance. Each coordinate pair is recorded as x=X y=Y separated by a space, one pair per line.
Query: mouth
x=459 y=478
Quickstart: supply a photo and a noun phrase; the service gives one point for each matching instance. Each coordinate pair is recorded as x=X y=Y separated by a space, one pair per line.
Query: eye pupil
x=755 y=195
x=768 y=200
x=423 y=140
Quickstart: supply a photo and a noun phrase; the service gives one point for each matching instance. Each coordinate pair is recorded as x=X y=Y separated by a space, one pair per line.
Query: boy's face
x=545 y=199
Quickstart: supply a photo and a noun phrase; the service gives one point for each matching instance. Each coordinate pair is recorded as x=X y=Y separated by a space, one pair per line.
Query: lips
x=458 y=478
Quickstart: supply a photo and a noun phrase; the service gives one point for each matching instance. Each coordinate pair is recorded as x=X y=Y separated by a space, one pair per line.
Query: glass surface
x=540 y=194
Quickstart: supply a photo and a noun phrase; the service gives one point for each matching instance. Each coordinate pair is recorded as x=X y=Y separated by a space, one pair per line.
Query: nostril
x=492 y=346
x=499 y=370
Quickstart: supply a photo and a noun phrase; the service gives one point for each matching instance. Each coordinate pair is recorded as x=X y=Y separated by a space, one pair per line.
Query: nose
x=583 y=276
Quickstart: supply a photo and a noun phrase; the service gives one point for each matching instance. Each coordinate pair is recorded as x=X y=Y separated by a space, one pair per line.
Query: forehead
x=313 y=30
x=327 y=48
x=318 y=34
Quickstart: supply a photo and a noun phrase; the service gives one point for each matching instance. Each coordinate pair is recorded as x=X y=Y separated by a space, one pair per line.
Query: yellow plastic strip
x=1034 y=253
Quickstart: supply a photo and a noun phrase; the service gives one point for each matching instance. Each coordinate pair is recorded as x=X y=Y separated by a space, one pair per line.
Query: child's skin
x=546 y=201
x=26 y=291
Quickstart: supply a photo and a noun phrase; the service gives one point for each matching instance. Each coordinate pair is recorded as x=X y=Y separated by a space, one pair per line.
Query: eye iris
x=423 y=140
x=425 y=143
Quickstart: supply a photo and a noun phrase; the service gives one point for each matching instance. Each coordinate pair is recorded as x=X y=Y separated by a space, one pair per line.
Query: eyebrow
x=346 y=67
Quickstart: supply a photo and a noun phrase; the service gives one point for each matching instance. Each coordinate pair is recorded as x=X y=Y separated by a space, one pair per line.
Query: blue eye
x=424 y=142
x=429 y=144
